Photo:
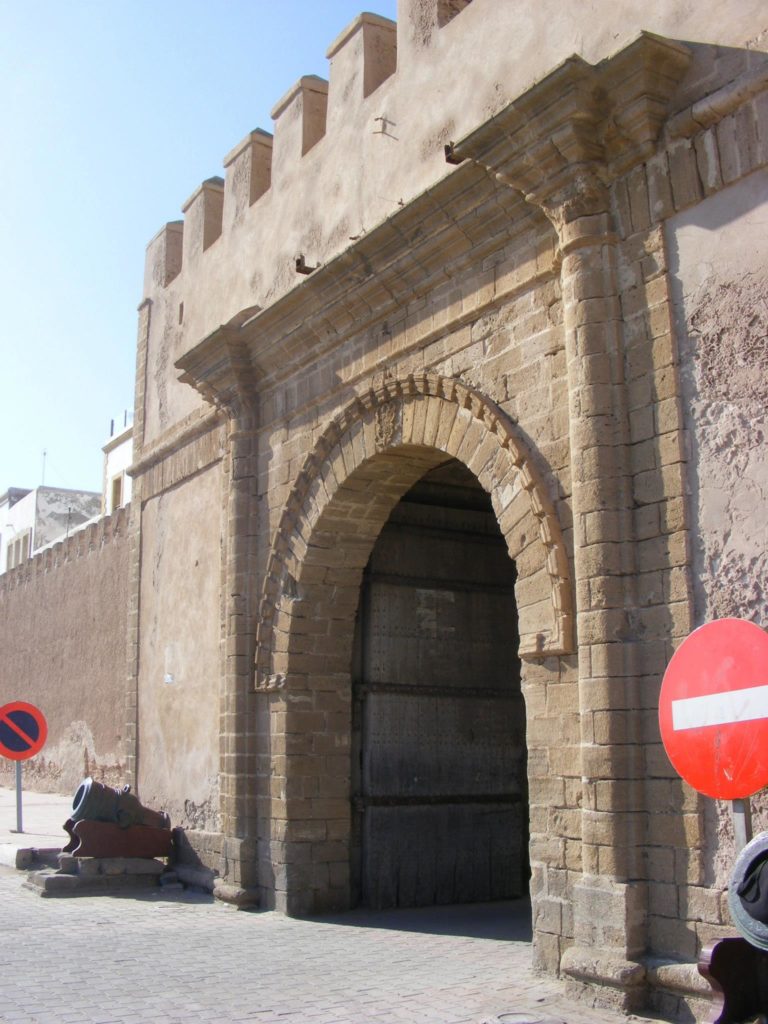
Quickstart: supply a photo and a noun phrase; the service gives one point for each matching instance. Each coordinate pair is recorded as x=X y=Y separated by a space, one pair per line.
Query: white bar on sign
x=743 y=705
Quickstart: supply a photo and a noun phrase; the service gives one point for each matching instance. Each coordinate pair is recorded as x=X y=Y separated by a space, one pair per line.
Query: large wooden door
x=439 y=760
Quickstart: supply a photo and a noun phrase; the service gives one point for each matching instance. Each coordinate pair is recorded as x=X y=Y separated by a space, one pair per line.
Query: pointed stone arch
x=368 y=456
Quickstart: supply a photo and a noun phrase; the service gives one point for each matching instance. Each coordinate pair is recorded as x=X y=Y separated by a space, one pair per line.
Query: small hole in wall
x=181 y=312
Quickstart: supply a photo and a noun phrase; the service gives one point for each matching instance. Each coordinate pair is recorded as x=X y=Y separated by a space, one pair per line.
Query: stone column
x=610 y=898
x=221 y=370
x=561 y=145
x=237 y=726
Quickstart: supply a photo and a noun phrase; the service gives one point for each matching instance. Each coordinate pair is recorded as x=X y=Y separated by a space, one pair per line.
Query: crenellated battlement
x=349 y=153
x=79 y=544
x=362 y=57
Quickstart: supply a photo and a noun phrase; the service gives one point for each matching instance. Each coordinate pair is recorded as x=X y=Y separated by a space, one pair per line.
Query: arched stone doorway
x=439 y=783
x=367 y=459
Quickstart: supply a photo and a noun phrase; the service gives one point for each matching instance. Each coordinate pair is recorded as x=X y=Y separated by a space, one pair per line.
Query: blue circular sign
x=23 y=730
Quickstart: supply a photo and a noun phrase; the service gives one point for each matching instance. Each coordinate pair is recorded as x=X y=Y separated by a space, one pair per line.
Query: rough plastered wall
x=63 y=628
x=167 y=402
x=719 y=266
x=179 y=657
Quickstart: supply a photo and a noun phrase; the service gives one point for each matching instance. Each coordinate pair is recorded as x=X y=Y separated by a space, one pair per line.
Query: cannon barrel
x=94 y=801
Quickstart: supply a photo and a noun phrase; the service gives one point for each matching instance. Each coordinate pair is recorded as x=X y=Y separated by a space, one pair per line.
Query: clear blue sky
x=112 y=113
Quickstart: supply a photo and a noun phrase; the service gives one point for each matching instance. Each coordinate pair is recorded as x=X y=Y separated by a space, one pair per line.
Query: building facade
x=32 y=520
x=449 y=427
x=118 y=456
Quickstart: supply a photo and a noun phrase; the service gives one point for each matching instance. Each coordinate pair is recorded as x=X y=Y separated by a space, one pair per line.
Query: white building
x=31 y=520
x=118 y=454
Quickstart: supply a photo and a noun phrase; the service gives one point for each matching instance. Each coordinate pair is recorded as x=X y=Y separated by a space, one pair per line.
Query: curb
x=24 y=858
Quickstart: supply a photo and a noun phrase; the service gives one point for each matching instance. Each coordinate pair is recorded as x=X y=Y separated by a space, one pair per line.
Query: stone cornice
x=422 y=247
x=419 y=249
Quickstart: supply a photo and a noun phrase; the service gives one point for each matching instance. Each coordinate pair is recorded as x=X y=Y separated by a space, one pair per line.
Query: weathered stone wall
x=63 y=636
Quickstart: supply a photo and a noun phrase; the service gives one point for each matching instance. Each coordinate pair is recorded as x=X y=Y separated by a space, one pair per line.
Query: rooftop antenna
x=42 y=482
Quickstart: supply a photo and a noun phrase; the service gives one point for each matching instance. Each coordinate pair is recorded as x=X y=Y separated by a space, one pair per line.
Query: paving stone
x=183 y=958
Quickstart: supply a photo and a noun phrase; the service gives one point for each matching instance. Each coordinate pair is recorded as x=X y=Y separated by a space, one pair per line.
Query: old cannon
x=94 y=801
x=109 y=822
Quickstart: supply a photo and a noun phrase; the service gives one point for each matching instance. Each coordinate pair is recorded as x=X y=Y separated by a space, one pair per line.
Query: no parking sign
x=23 y=730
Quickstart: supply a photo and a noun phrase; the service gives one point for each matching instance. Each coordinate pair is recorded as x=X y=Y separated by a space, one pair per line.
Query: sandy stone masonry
x=513 y=309
x=456 y=422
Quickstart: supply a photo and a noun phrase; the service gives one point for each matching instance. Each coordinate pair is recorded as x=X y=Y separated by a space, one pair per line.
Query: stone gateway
x=427 y=484
x=450 y=421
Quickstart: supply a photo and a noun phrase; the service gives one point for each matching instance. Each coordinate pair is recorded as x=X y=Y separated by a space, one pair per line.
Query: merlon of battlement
x=249 y=174
x=367 y=51
x=300 y=118
x=361 y=57
x=203 y=217
x=164 y=254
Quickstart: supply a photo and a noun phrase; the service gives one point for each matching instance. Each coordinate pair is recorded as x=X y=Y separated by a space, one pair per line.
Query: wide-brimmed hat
x=748 y=892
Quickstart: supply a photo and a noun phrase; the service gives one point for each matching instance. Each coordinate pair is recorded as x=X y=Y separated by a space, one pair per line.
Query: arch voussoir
x=370 y=454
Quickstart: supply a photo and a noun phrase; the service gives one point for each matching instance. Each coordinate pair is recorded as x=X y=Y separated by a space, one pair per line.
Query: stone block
x=547 y=915
x=88 y=867
x=684 y=175
x=637 y=191
x=546 y=953
x=661 y=203
x=684 y=831
x=704 y=905
x=53 y=883
x=708 y=161
x=663 y=900
x=672 y=937
x=728 y=149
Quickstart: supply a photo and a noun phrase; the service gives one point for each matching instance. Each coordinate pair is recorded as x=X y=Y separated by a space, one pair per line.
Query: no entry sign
x=23 y=730
x=713 y=709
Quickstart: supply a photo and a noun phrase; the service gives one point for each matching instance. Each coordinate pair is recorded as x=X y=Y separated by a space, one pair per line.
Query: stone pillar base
x=603 y=967
x=604 y=981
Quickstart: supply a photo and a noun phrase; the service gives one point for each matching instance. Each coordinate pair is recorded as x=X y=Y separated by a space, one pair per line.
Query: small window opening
x=117 y=493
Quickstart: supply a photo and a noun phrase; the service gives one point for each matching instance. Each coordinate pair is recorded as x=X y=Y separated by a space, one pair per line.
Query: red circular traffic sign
x=23 y=730
x=713 y=709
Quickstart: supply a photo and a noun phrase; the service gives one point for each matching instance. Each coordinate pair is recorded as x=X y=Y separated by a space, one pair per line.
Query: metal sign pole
x=19 y=825
x=741 y=815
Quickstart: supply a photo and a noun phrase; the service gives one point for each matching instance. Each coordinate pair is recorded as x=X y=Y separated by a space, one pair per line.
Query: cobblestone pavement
x=171 y=957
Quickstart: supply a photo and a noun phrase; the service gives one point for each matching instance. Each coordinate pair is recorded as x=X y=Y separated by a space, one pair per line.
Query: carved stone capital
x=584 y=195
x=564 y=141
x=221 y=370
